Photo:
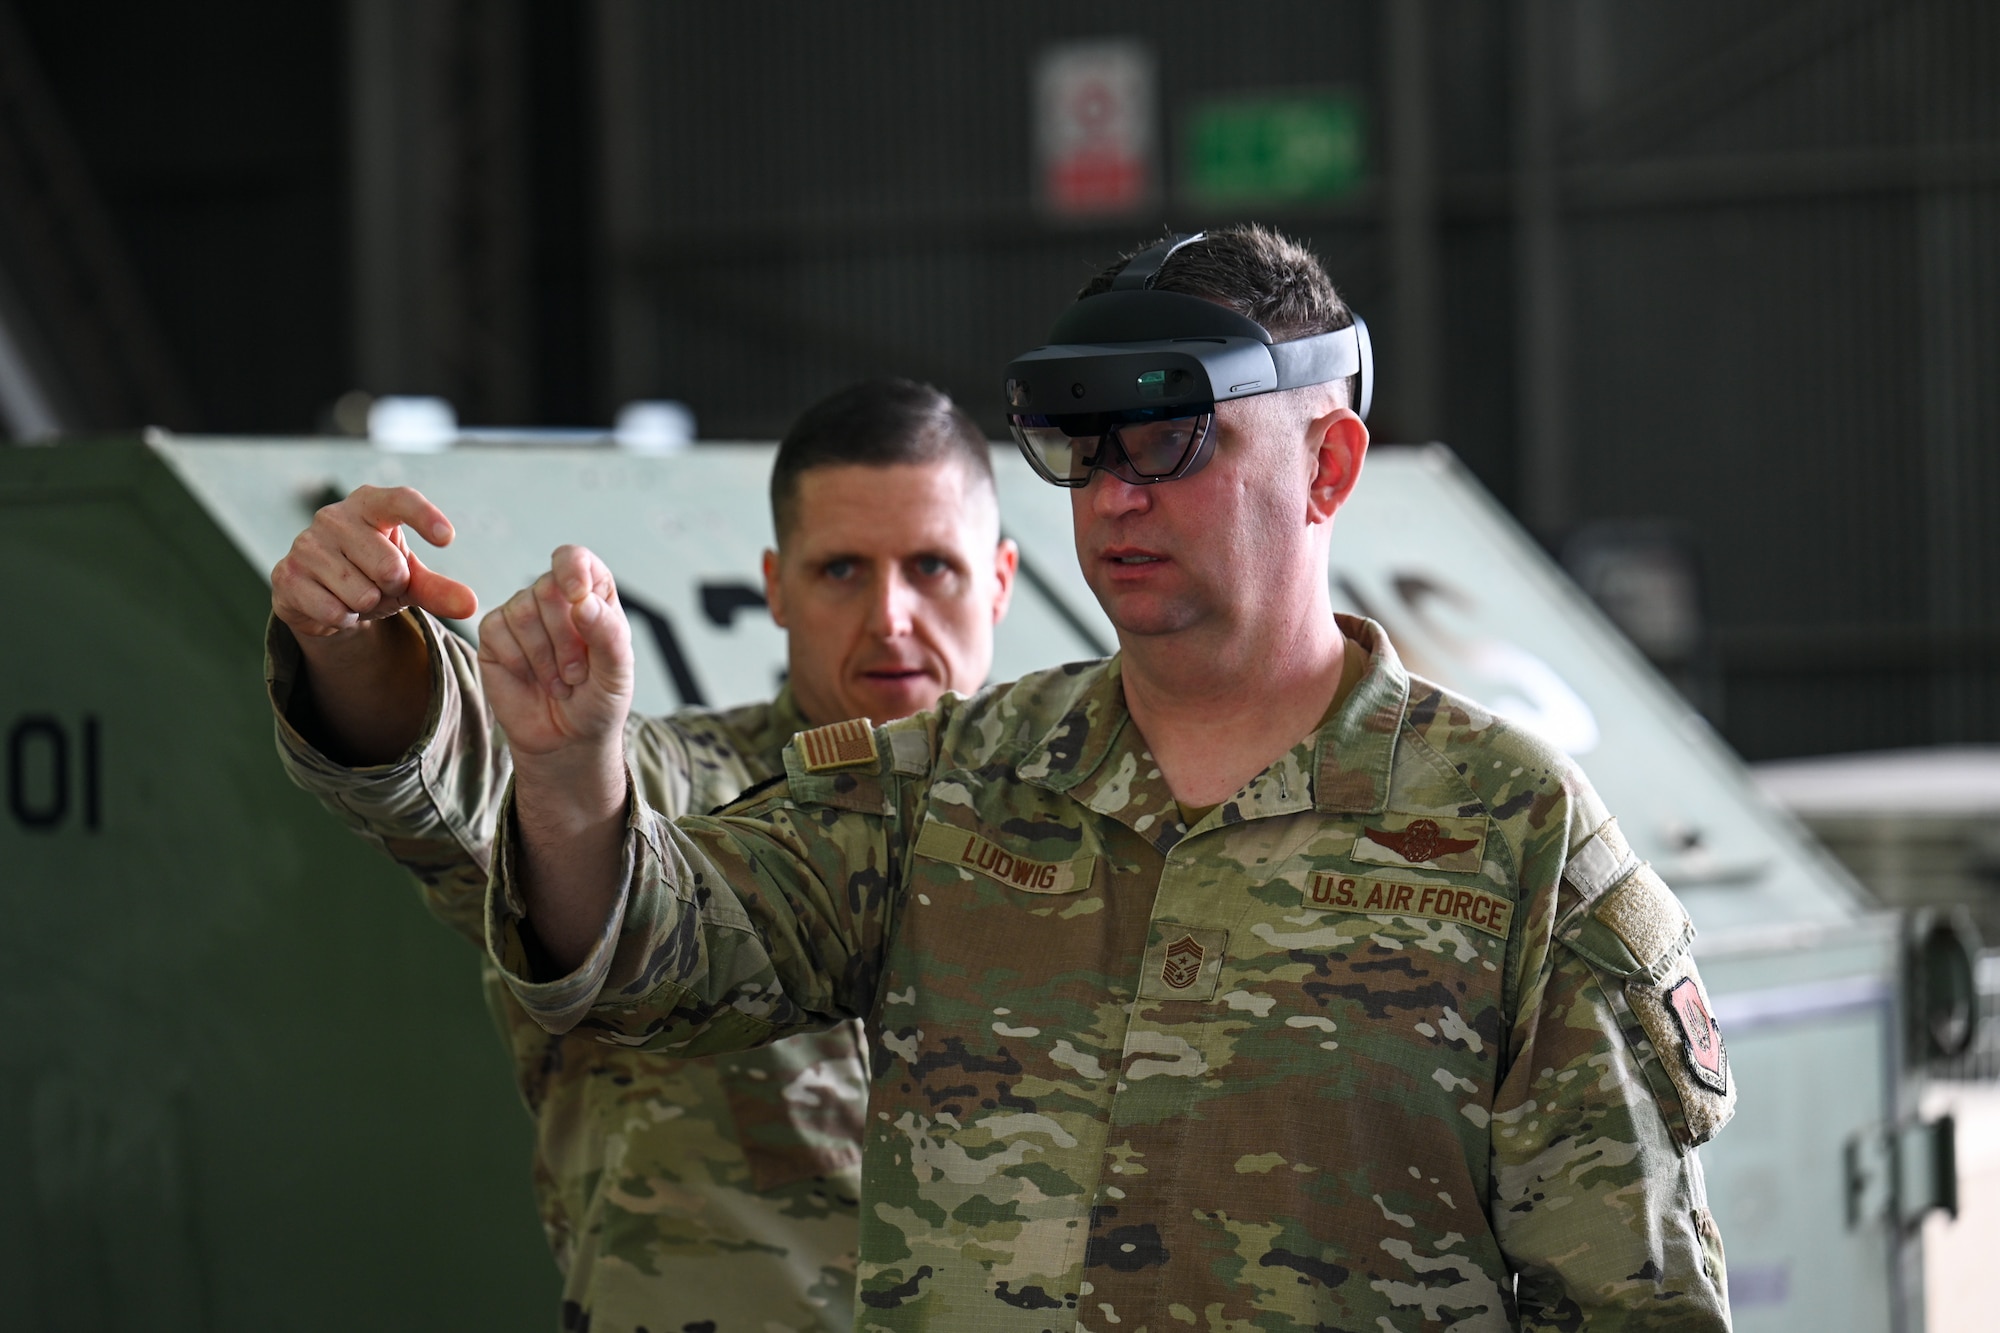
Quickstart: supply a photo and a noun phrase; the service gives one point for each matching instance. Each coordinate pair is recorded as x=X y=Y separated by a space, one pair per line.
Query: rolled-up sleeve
x=729 y=930
x=434 y=808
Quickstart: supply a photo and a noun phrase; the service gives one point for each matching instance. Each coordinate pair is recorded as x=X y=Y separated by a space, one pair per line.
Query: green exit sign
x=1307 y=145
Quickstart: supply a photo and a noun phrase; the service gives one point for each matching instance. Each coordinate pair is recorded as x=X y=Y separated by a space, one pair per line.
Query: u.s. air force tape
x=1478 y=908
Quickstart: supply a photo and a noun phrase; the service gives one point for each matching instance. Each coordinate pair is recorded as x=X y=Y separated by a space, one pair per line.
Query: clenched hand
x=556 y=660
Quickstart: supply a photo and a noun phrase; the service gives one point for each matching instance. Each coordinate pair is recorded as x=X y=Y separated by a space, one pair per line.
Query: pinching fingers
x=439 y=594
x=388 y=507
x=304 y=602
x=381 y=555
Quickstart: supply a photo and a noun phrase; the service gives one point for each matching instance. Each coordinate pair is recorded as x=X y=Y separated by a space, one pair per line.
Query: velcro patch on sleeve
x=846 y=744
x=1481 y=909
x=961 y=847
x=1679 y=1022
x=1601 y=861
x=909 y=751
x=1643 y=912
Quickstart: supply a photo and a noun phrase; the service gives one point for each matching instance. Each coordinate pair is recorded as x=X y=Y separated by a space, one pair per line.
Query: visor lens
x=1158 y=448
x=1054 y=452
x=1140 y=446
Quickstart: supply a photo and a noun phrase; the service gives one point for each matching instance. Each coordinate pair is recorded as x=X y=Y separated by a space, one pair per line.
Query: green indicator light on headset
x=1153 y=384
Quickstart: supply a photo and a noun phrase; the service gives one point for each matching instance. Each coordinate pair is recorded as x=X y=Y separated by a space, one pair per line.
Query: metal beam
x=1894 y=648
x=1543 y=497
x=1757 y=57
x=1414 y=375
x=73 y=275
x=625 y=116
x=441 y=266
x=1957 y=285
x=381 y=219
x=1692 y=182
x=27 y=411
x=1800 y=174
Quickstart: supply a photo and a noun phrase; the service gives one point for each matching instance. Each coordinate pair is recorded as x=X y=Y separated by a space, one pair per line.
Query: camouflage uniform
x=1399 y=1036
x=714 y=1195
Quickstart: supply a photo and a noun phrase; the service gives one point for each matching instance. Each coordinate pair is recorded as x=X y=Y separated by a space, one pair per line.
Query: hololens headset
x=1131 y=376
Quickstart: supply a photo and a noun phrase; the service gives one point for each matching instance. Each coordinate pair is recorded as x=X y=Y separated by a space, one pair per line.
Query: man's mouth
x=893 y=674
x=1132 y=555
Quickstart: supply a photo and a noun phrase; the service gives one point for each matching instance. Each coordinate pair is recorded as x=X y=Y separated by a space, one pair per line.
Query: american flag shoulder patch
x=841 y=745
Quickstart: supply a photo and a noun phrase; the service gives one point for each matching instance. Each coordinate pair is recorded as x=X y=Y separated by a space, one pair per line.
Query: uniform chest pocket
x=1395 y=979
x=1014 y=867
x=1331 y=917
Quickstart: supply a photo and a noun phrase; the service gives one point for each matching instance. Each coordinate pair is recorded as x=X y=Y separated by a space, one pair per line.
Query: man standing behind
x=704 y=1193
x=1243 y=981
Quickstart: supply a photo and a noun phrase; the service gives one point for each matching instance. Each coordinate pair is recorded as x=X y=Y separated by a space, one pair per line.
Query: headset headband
x=1136 y=347
x=1143 y=269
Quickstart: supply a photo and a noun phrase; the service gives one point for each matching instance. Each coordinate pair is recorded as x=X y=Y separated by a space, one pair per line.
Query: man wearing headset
x=700 y=1194
x=1242 y=981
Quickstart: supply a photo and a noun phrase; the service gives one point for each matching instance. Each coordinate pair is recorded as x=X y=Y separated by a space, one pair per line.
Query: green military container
x=246 y=1083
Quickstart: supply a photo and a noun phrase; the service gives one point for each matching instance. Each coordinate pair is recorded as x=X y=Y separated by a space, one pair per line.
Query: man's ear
x=1006 y=560
x=774 y=596
x=1339 y=441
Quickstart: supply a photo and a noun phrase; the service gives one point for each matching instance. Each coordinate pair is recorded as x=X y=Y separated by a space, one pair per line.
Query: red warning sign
x=1095 y=140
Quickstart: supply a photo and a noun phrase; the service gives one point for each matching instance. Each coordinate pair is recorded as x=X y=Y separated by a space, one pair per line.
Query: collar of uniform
x=762 y=731
x=1085 y=729
x=786 y=719
x=1357 y=746
x=1098 y=759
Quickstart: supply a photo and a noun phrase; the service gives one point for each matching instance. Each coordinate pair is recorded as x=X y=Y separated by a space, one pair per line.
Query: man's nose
x=1111 y=495
x=889 y=609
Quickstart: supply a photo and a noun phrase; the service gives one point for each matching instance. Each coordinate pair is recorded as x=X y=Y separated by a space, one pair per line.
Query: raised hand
x=354 y=566
x=366 y=675
x=556 y=660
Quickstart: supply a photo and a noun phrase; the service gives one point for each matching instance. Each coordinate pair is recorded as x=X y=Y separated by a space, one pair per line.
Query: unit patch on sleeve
x=1481 y=909
x=1682 y=1051
x=1436 y=842
x=841 y=745
x=1706 y=1059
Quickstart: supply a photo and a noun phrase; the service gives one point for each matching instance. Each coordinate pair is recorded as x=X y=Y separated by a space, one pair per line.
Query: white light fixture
x=411 y=425
x=656 y=427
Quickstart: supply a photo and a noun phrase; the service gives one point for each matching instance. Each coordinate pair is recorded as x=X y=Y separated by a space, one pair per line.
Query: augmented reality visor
x=1131 y=376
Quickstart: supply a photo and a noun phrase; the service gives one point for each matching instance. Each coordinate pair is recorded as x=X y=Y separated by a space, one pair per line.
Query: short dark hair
x=876 y=423
x=1254 y=271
